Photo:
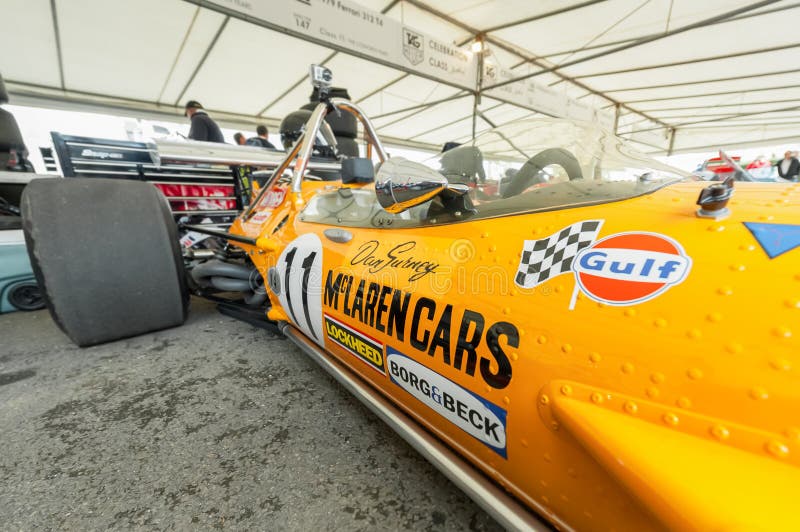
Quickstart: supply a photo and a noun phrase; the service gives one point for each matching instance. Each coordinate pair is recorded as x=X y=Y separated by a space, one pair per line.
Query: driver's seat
x=463 y=164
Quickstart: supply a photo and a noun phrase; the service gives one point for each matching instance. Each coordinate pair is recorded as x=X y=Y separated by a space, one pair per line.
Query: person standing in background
x=789 y=166
x=239 y=139
x=262 y=140
x=203 y=127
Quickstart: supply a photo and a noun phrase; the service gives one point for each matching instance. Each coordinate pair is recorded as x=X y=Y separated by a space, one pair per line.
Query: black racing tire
x=526 y=176
x=106 y=257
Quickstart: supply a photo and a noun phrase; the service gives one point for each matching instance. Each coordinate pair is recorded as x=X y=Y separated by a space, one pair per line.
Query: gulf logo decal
x=621 y=269
x=629 y=268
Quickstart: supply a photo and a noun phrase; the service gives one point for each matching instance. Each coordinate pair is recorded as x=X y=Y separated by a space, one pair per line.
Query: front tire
x=106 y=257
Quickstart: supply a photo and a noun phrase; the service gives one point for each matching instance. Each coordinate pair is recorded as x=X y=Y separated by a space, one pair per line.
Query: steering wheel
x=529 y=173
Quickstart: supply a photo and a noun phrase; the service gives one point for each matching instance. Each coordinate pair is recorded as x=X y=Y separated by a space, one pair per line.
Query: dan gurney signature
x=399 y=257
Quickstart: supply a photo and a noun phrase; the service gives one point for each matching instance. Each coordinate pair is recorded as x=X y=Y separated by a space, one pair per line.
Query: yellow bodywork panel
x=688 y=482
x=679 y=409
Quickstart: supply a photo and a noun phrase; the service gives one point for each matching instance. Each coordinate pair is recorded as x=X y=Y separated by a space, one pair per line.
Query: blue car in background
x=18 y=288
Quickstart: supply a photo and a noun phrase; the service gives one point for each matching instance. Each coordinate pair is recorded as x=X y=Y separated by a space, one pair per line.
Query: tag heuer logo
x=413 y=46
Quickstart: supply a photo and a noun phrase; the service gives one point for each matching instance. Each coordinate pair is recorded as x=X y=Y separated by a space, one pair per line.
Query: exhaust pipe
x=231 y=277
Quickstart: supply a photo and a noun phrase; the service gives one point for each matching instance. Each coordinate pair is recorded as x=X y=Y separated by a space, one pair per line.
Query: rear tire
x=106 y=257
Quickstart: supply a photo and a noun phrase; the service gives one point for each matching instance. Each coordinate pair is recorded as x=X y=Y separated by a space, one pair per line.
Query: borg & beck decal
x=476 y=416
x=620 y=269
x=362 y=346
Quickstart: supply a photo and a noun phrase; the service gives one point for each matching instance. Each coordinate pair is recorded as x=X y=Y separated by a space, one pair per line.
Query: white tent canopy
x=676 y=75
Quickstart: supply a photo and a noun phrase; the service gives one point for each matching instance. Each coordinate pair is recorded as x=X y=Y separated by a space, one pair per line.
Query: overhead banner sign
x=540 y=97
x=350 y=26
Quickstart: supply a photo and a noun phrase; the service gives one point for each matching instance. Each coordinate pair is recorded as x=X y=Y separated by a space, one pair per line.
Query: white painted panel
x=197 y=42
x=121 y=48
x=28 y=43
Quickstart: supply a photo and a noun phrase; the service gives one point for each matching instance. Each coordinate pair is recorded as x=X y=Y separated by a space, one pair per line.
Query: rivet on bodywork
x=484 y=235
x=630 y=312
x=793 y=433
x=627 y=368
x=657 y=378
x=725 y=290
x=716 y=228
x=523 y=442
x=792 y=303
x=714 y=317
x=747 y=247
x=684 y=402
x=670 y=419
x=542 y=339
x=777 y=449
x=506 y=400
x=507 y=310
x=734 y=348
x=694 y=373
x=694 y=334
x=596 y=398
x=544 y=399
x=630 y=407
x=566 y=390
x=780 y=364
x=567 y=348
x=719 y=432
x=660 y=323
x=547 y=457
x=595 y=357
x=554 y=425
x=737 y=267
x=782 y=332
x=758 y=393
x=513 y=356
x=492 y=248
x=652 y=392
x=572 y=473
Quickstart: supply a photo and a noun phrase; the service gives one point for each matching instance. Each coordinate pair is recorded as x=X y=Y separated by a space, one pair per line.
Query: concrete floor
x=215 y=424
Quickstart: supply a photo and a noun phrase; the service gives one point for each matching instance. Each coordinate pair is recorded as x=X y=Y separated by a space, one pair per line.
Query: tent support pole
x=672 y=132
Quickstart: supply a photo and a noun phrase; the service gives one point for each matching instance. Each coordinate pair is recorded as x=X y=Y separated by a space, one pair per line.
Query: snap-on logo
x=474 y=415
x=628 y=268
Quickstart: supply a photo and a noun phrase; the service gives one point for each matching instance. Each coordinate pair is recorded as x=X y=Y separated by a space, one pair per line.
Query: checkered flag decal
x=549 y=257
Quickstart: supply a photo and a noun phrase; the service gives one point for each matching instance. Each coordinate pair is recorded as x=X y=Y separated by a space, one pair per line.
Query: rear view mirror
x=402 y=184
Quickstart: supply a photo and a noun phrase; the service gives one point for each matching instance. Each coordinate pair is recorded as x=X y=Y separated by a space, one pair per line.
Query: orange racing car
x=598 y=343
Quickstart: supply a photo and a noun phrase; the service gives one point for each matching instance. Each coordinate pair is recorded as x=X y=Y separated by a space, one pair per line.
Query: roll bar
x=305 y=144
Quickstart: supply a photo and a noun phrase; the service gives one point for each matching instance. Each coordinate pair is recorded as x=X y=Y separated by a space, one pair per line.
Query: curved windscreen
x=523 y=167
